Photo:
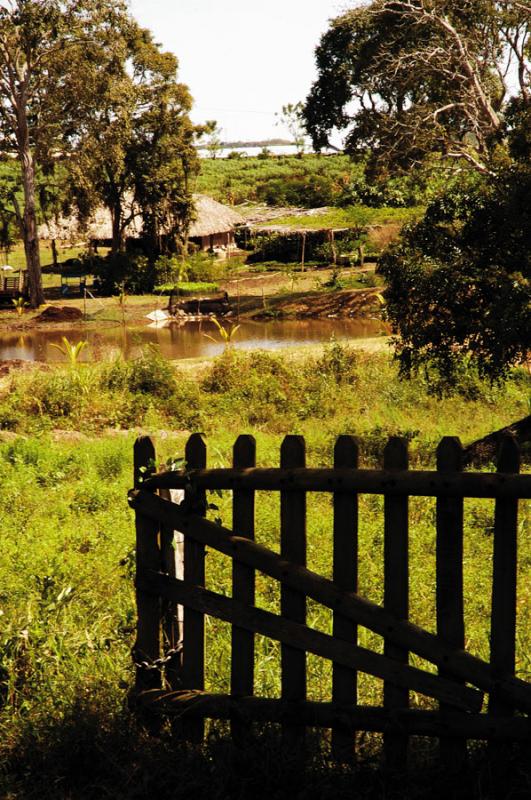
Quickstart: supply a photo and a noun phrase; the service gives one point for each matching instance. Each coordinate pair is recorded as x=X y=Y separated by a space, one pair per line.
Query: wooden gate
x=170 y=653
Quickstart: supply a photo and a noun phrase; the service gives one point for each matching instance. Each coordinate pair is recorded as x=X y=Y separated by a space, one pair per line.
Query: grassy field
x=67 y=558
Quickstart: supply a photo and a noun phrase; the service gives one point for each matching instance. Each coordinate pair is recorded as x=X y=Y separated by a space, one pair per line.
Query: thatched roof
x=211 y=218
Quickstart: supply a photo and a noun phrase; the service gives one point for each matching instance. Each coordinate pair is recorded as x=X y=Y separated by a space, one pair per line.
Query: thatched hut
x=212 y=227
x=214 y=224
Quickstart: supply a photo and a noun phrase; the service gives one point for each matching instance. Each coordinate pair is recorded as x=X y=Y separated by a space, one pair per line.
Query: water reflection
x=181 y=341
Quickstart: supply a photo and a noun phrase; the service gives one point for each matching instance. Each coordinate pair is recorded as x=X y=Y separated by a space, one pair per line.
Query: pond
x=188 y=340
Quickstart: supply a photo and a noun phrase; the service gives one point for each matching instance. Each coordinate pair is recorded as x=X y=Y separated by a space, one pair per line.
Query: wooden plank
x=504 y=586
x=416 y=483
x=345 y=716
x=243 y=584
x=171 y=629
x=431 y=647
x=147 y=646
x=193 y=657
x=293 y=602
x=396 y=596
x=300 y=637
x=449 y=591
x=344 y=681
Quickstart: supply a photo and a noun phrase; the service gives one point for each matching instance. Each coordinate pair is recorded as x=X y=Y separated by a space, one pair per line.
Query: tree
x=39 y=42
x=292 y=119
x=135 y=153
x=459 y=281
x=211 y=138
x=408 y=78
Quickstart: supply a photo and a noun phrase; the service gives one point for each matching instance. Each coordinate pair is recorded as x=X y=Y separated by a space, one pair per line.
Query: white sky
x=242 y=59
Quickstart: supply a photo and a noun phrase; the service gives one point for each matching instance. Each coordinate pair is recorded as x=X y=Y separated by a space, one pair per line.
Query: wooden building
x=213 y=227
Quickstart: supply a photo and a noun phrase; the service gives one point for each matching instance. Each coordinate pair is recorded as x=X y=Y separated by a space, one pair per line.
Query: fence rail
x=170 y=654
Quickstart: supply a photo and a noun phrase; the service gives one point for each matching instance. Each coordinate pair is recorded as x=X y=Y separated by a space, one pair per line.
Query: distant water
x=278 y=150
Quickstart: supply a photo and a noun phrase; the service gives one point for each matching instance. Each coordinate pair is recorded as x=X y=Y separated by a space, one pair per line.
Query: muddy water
x=181 y=341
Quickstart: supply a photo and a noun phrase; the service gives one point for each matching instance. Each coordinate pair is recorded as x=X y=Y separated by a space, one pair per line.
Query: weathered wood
x=347 y=717
x=449 y=591
x=292 y=601
x=416 y=483
x=171 y=631
x=486 y=448
x=396 y=595
x=433 y=648
x=193 y=658
x=504 y=580
x=147 y=646
x=306 y=639
x=243 y=579
x=344 y=681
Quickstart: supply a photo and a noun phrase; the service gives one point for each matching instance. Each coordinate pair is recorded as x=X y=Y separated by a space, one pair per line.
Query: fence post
x=344 y=681
x=243 y=577
x=171 y=546
x=147 y=646
x=503 y=609
x=449 y=592
x=193 y=657
x=293 y=603
x=396 y=595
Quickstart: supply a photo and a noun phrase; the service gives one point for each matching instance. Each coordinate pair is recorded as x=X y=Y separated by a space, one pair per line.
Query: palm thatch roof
x=210 y=218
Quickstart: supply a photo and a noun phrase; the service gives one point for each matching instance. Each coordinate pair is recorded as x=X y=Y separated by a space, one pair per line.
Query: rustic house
x=212 y=228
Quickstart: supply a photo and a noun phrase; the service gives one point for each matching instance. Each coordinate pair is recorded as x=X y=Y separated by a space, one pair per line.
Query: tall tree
x=406 y=78
x=135 y=152
x=42 y=96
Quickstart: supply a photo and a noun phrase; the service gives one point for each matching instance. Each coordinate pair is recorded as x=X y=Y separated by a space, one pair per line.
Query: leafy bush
x=338 y=362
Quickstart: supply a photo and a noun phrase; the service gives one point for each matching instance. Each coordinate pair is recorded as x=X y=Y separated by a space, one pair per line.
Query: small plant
x=20 y=304
x=70 y=350
x=226 y=334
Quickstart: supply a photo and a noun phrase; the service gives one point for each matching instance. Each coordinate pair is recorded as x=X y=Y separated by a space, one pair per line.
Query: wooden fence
x=170 y=652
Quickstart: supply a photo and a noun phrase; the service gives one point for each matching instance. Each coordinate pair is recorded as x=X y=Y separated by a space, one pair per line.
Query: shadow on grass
x=91 y=753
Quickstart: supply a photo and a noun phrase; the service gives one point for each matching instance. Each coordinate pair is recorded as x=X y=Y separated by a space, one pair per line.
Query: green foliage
x=70 y=350
x=405 y=81
x=459 y=281
x=338 y=362
x=119 y=272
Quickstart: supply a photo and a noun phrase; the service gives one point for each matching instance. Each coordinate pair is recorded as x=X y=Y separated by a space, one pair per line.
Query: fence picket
x=504 y=577
x=193 y=662
x=449 y=591
x=292 y=602
x=396 y=594
x=147 y=645
x=344 y=681
x=243 y=583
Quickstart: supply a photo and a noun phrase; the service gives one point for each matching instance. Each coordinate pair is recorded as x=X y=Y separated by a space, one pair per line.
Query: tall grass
x=67 y=609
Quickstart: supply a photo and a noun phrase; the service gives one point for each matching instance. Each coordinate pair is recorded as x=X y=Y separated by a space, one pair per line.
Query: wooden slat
x=147 y=645
x=193 y=658
x=344 y=681
x=345 y=716
x=171 y=629
x=293 y=602
x=300 y=637
x=414 y=483
x=243 y=584
x=396 y=595
x=504 y=585
x=460 y=663
x=449 y=574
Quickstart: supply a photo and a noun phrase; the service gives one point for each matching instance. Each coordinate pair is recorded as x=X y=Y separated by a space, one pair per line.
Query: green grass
x=352 y=217
x=288 y=180
x=67 y=609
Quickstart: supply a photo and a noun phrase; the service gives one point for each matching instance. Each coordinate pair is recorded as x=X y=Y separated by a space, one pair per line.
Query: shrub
x=338 y=362
x=151 y=374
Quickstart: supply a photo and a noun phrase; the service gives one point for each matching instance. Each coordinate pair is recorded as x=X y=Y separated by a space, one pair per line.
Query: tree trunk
x=55 y=259
x=28 y=223
x=118 y=237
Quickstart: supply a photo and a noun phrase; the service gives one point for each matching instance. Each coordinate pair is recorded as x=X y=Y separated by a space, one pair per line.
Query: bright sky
x=242 y=59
